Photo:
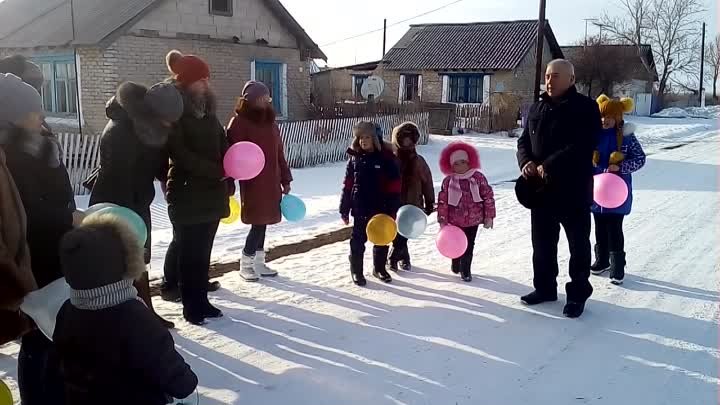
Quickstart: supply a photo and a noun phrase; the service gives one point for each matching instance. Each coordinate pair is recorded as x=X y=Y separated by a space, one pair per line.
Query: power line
x=393 y=24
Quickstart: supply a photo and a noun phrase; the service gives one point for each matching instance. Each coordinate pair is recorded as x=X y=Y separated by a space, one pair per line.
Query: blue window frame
x=466 y=89
x=270 y=73
x=59 y=89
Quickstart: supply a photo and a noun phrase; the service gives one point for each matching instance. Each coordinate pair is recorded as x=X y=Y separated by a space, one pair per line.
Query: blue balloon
x=97 y=207
x=411 y=221
x=292 y=208
x=131 y=218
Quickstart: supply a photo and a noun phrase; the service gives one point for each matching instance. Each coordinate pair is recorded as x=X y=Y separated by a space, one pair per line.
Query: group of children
x=381 y=177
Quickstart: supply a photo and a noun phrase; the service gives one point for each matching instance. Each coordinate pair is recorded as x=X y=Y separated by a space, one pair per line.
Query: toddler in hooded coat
x=371 y=187
x=466 y=199
x=113 y=349
x=618 y=152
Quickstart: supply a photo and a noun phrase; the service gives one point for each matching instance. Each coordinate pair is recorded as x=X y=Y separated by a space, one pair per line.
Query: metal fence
x=307 y=143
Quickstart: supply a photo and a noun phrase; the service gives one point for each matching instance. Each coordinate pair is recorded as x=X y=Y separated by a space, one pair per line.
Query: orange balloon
x=381 y=230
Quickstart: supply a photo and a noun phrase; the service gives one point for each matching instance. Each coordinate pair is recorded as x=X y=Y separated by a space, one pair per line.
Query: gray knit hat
x=17 y=99
x=166 y=101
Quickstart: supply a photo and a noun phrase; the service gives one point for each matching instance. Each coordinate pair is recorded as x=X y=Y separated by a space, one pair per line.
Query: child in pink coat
x=466 y=199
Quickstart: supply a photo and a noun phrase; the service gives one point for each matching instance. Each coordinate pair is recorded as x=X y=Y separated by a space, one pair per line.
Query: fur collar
x=629 y=128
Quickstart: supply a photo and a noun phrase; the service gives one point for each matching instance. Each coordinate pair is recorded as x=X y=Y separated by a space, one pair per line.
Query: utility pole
x=702 y=66
x=384 y=37
x=539 y=50
x=587 y=20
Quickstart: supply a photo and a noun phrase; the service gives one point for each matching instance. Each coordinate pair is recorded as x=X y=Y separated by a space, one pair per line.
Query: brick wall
x=142 y=60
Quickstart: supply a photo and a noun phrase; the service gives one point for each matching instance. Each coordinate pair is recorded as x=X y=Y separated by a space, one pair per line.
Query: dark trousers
x=255 y=241
x=545 y=236
x=359 y=239
x=170 y=269
x=609 y=233
x=194 y=246
x=463 y=263
x=39 y=375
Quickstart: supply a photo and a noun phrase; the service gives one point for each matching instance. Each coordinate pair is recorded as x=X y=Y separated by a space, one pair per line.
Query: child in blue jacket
x=371 y=187
x=618 y=152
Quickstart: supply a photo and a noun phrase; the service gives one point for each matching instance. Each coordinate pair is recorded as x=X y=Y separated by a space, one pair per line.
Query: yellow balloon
x=5 y=394
x=234 y=212
x=381 y=230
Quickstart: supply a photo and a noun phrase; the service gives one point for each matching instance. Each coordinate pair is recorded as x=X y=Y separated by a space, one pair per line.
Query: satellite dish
x=372 y=88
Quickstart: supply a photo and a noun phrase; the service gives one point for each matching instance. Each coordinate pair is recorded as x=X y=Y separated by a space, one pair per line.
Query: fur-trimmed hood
x=629 y=128
x=405 y=130
x=101 y=251
x=474 y=156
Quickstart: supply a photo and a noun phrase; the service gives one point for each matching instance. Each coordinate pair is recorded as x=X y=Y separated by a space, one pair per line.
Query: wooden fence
x=307 y=143
x=501 y=114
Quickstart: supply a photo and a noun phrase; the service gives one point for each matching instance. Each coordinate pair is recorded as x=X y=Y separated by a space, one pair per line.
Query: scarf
x=455 y=192
x=104 y=297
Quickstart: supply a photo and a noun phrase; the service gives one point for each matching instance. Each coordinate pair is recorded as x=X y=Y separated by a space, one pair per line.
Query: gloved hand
x=488 y=224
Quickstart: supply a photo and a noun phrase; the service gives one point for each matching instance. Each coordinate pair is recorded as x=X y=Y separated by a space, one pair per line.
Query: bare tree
x=671 y=27
x=712 y=59
x=600 y=67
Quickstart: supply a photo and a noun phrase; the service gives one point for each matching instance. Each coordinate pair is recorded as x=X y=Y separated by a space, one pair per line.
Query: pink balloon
x=610 y=190
x=244 y=161
x=451 y=242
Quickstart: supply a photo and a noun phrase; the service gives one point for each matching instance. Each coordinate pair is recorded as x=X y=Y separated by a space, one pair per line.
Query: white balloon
x=44 y=304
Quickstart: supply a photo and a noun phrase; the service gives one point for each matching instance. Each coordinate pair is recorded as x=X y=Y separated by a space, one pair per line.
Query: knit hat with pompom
x=187 y=69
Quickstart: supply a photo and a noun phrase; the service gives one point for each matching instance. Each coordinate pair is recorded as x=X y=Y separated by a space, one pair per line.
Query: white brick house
x=93 y=45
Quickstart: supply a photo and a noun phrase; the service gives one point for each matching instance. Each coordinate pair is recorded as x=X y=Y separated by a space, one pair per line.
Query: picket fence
x=307 y=143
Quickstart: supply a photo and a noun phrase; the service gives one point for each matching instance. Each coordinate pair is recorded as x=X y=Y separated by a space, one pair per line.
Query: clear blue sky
x=330 y=20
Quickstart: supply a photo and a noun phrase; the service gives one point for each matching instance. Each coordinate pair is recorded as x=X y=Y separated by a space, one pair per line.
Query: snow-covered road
x=310 y=337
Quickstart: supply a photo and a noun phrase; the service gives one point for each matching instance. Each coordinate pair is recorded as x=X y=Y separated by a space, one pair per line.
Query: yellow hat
x=615 y=108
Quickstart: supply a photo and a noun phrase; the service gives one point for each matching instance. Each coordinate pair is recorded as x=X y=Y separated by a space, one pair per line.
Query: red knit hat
x=187 y=69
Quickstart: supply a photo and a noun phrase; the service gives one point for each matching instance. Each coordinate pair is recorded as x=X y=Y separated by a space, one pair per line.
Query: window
x=411 y=88
x=358 y=81
x=273 y=75
x=221 y=7
x=59 y=89
x=466 y=89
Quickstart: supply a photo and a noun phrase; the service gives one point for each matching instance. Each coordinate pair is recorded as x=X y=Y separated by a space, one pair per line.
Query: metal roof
x=35 y=23
x=471 y=46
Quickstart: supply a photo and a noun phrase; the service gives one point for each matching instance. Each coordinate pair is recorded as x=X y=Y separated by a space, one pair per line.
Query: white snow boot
x=247 y=269
x=261 y=268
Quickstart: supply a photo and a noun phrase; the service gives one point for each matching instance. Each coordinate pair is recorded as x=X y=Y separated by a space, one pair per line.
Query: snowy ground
x=310 y=337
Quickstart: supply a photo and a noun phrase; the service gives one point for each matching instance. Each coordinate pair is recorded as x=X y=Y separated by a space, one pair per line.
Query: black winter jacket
x=119 y=356
x=44 y=187
x=372 y=185
x=196 y=189
x=561 y=135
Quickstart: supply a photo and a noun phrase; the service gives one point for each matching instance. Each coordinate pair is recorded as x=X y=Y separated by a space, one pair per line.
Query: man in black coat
x=556 y=147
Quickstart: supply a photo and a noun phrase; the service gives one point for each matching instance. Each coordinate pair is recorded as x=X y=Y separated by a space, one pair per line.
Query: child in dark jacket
x=466 y=199
x=417 y=186
x=112 y=347
x=372 y=187
x=618 y=152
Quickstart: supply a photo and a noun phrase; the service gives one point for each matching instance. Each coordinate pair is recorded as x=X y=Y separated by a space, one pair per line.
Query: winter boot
x=394 y=260
x=537 y=297
x=356 y=270
x=170 y=293
x=465 y=274
x=247 y=269
x=213 y=286
x=380 y=254
x=617 y=267
x=456 y=266
x=574 y=309
x=602 y=261
x=405 y=262
x=261 y=268
x=209 y=311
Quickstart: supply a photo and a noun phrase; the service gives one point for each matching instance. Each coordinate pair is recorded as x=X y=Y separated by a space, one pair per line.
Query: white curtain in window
x=401 y=91
x=445 y=88
x=486 y=89
x=420 y=84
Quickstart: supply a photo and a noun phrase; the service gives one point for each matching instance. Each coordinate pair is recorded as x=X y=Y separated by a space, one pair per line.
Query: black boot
x=456 y=266
x=574 y=309
x=602 y=261
x=537 y=297
x=380 y=254
x=617 y=267
x=405 y=262
x=394 y=260
x=465 y=273
x=356 y=270
x=209 y=311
